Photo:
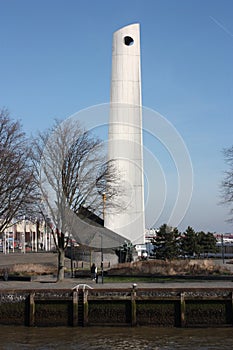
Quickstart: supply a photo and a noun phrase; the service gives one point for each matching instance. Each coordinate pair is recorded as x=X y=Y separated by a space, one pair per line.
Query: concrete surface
x=125 y=136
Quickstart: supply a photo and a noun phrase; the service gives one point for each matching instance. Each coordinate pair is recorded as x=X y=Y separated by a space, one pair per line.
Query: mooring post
x=182 y=309
x=31 y=319
x=85 y=307
x=232 y=307
x=75 y=308
x=133 y=305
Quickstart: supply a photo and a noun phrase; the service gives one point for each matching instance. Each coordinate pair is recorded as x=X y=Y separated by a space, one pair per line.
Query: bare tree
x=227 y=183
x=17 y=188
x=73 y=174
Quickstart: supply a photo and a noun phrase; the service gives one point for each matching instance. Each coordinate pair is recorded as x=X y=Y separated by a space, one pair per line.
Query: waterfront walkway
x=46 y=282
x=49 y=282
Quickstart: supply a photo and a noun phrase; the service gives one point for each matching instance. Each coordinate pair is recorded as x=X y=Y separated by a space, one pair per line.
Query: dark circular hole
x=128 y=40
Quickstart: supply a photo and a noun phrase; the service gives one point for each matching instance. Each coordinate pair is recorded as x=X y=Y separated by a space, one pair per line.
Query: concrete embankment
x=82 y=302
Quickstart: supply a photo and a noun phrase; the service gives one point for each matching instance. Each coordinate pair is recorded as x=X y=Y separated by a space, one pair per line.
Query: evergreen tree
x=189 y=243
x=207 y=243
x=167 y=243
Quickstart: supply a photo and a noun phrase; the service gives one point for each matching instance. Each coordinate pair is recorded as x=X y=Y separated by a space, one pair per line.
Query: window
x=128 y=40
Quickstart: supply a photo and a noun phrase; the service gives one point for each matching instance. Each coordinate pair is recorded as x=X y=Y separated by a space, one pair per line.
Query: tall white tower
x=125 y=135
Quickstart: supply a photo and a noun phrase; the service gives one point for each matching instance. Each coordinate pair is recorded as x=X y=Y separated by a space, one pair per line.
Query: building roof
x=89 y=231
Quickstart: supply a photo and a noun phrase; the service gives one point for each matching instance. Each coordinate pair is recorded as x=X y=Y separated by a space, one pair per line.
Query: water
x=107 y=338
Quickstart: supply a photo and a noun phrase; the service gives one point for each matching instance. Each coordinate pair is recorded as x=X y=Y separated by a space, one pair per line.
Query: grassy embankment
x=164 y=271
x=139 y=271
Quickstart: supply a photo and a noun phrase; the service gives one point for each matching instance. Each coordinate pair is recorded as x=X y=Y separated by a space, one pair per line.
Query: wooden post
x=31 y=309
x=232 y=307
x=133 y=306
x=182 y=310
x=75 y=308
x=85 y=307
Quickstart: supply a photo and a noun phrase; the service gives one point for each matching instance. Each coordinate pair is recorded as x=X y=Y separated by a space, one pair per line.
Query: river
x=114 y=338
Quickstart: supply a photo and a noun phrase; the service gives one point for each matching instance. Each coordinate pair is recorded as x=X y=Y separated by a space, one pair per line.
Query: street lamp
x=71 y=257
x=102 y=259
x=101 y=238
x=104 y=203
x=222 y=243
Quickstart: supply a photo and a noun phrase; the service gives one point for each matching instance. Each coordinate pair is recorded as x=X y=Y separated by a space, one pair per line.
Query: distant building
x=27 y=235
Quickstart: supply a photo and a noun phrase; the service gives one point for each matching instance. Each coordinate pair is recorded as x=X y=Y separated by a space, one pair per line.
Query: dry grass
x=150 y=267
x=172 y=268
x=30 y=269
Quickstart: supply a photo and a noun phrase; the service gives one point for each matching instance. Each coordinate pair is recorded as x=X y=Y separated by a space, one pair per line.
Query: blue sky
x=56 y=60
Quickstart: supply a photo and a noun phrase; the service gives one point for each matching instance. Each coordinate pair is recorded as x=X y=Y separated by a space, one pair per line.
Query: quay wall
x=166 y=307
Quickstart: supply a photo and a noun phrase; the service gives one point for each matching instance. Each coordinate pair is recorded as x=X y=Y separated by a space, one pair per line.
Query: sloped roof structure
x=89 y=231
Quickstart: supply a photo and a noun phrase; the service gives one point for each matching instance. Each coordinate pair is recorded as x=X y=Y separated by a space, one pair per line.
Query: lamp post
x=104 y=203
x=102 y=259
x=24 y=235
x=101 y=238
x=222 y=243
x=71 y=258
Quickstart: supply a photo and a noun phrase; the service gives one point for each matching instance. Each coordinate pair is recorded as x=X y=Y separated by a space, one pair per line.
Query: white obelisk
x=125 y=135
